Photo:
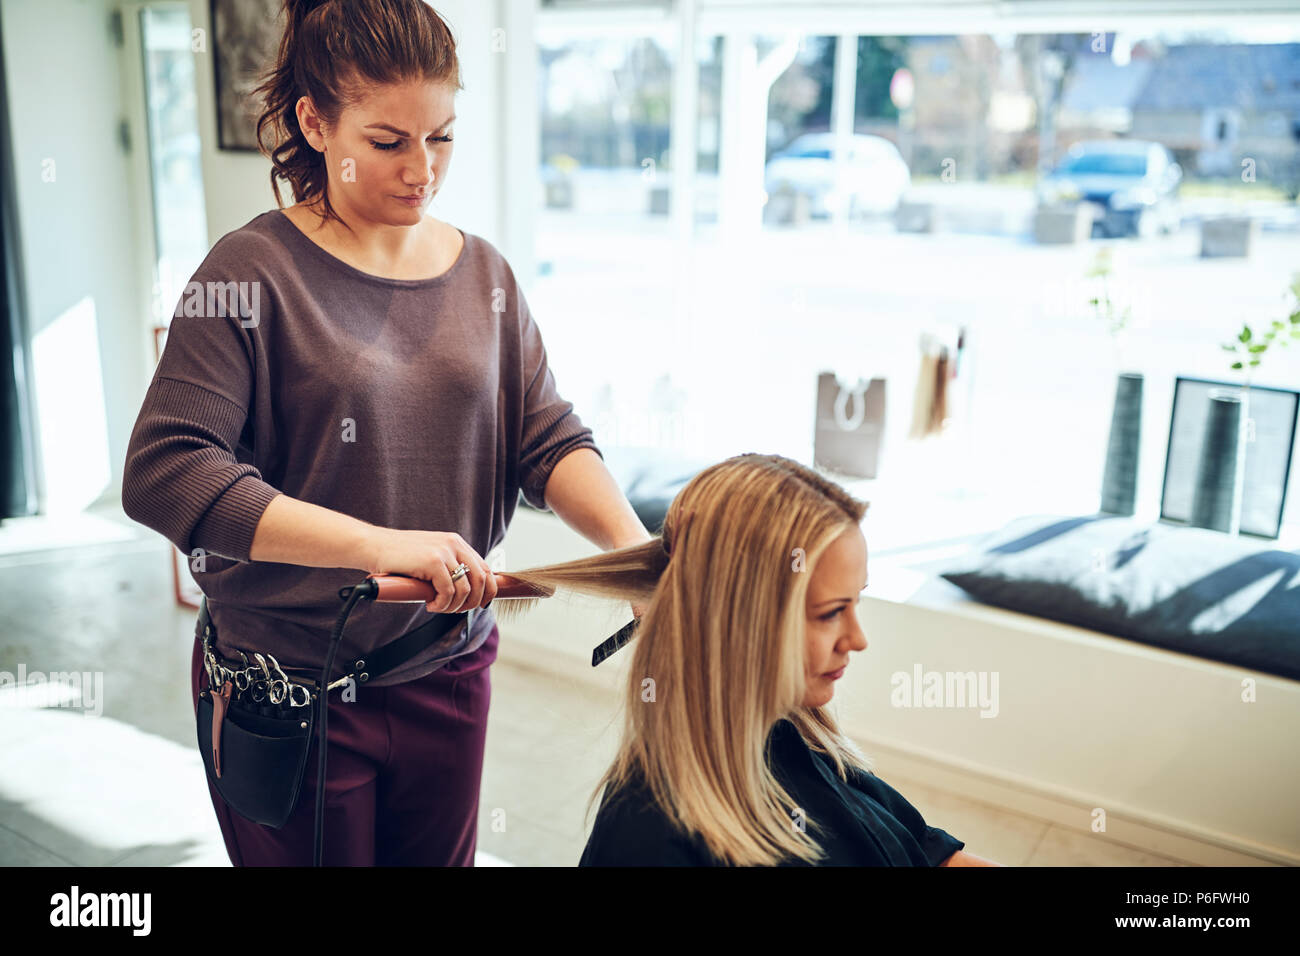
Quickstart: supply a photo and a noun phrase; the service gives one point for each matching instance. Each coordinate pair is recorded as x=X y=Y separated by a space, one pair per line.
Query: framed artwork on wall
x=245 y=39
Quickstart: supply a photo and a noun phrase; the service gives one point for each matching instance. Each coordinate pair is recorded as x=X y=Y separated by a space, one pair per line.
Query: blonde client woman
x=730 y=755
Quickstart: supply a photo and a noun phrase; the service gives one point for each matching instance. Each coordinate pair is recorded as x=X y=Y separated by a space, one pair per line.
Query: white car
x=871 y=179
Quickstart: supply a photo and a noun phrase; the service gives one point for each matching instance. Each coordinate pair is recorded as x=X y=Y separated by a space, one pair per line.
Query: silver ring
x=461 y=570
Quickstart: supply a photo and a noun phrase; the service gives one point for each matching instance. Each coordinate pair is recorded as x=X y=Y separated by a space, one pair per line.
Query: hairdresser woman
x=375 y=405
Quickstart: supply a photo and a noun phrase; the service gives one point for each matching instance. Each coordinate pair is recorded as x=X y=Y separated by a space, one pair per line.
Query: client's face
x=832 y=629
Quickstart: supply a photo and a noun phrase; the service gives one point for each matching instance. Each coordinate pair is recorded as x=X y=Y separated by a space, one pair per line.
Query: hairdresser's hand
x=432 y=556
x=638 y=609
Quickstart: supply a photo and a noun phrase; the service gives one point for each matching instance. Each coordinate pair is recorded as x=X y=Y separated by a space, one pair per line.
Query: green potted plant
x=1219 y=488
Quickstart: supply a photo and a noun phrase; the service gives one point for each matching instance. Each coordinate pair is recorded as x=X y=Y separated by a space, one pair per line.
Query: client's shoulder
x=631 y=829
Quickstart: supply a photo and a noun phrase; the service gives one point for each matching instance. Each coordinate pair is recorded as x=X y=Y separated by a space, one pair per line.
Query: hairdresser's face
x=396 y=142
x=831 y=629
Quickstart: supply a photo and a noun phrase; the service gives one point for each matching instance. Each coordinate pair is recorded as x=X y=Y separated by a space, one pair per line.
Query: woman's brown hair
x=330 y=51
x=719 y=657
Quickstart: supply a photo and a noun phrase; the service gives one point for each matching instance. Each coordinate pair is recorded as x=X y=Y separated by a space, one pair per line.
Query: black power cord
x=351 y=595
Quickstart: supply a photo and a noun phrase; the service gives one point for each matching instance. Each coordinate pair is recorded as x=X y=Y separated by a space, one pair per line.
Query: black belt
x=450 y=632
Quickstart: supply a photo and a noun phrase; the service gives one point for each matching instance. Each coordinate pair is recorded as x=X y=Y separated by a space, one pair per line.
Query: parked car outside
x=870 y=181
x=1133 y=183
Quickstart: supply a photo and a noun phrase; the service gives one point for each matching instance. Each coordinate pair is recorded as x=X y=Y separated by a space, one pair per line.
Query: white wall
x=79 y=259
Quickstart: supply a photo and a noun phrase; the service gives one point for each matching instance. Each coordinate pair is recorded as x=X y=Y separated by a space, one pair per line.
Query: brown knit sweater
x=407 y=403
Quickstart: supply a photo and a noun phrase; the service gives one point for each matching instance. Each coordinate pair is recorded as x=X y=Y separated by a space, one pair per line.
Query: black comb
x=615 y=641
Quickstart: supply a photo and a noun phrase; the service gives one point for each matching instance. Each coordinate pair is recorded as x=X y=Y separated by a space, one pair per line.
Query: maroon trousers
x=402 y=775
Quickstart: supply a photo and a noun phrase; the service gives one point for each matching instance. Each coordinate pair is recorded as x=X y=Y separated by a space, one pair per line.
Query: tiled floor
x=127 y=787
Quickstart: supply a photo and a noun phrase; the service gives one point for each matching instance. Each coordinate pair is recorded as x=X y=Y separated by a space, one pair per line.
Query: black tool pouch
x=255 y=755
x=256 y=751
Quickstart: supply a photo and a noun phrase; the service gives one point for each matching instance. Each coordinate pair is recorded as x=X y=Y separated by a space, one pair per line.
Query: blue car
x=1133 y=185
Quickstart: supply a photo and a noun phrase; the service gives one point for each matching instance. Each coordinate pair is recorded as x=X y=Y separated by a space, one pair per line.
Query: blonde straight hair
x=719 y=656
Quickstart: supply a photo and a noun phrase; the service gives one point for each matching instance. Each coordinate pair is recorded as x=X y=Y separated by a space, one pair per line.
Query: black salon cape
x=865 y=822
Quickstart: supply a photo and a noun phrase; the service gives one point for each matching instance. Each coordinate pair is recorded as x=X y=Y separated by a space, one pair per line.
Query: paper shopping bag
x=850 y=425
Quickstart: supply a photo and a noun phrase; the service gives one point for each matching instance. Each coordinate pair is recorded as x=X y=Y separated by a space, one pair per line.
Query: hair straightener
x=395 y=587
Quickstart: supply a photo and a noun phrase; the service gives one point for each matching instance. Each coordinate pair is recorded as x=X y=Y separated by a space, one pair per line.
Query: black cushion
x=650 y=478
x=1201 y=592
